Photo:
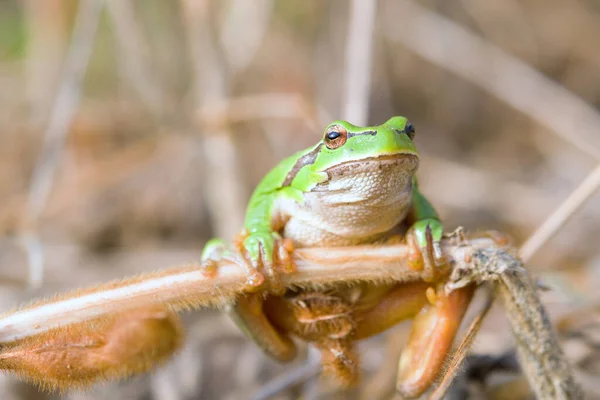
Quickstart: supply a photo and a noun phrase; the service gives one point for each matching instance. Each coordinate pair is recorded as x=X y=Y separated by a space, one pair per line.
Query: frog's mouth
x=405 y=163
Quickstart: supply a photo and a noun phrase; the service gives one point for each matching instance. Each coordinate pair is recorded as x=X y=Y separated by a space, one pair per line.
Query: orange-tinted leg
x=431 y=340
x=401 y=303
x=248 y=314
x=326 y=320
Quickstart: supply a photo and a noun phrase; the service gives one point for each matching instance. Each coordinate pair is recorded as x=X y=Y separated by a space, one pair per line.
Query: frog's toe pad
x=286 y=263
x=254 y=281
x=209 y=268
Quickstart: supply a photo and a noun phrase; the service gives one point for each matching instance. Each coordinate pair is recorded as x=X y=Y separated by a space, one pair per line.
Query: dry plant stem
x=46 y=33
x=540 y=355
x=583 y=192
x=185 y=287
x=66 y=103
x=502 y=75
x=359 y=49
x=62 y=115
x=211 y=73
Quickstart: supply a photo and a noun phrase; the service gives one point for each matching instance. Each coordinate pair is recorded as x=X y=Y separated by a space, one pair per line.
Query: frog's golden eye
x=335 y=136
x=409 y=129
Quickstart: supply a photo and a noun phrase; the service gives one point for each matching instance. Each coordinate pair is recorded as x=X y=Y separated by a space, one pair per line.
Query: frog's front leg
x=260 y=243
x=424 y=236
x=265 y=251
x=217 y=249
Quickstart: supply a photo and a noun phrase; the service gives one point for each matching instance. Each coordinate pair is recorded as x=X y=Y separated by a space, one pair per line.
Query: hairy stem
x=186 y=287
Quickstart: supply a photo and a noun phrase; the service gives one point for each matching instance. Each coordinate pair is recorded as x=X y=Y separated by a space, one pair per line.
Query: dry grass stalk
x=580 y=195
x=359 y=51
x=62 y=115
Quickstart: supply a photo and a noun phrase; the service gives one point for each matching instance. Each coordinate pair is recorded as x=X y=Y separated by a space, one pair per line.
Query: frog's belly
x=306 y=235
x=317 y=224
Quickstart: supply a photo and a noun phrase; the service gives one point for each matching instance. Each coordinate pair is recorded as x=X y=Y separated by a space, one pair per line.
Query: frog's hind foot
x=340 y=361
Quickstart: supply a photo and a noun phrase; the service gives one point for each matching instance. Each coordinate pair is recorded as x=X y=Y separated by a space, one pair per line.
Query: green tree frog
x=356 y=186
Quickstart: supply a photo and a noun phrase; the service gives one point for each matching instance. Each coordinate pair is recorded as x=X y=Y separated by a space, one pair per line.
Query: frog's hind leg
x=430 y=342
x=402 y=302
x=437 y=317
x=249 y=315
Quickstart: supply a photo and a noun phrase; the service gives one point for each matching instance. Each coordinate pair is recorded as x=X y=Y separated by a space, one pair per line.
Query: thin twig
x=555 y=221
x=359 y=50
x=63 y=112
x=65 y=104
x=47 y=30
x=454 y=48
x=225 y=189
x=35 y=258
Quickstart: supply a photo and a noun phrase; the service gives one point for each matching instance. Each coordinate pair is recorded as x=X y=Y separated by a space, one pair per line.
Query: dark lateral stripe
x=352 y=134
x=307 y=159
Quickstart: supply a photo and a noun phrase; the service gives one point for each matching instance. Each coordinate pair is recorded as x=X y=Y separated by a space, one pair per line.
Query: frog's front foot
x=265 y=253
x=423 y=239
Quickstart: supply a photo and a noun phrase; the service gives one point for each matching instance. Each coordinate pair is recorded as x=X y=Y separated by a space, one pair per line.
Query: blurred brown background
x=133 y=131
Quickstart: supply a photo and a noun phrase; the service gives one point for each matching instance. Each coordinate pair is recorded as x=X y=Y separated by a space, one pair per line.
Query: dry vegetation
x=133 y=131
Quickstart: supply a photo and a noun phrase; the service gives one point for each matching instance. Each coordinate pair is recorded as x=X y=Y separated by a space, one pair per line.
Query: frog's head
x=346 y=148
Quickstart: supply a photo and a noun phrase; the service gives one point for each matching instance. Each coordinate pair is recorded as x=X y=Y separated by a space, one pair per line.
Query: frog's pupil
x=333 y=135
x=409 y=128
